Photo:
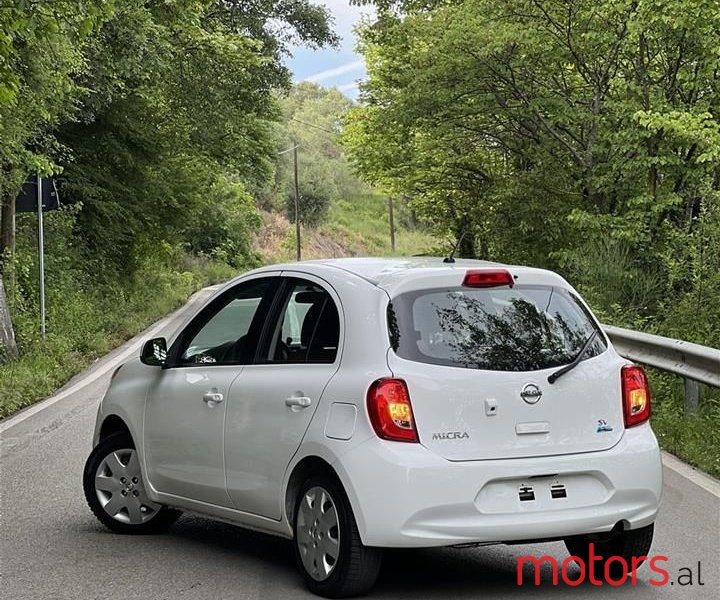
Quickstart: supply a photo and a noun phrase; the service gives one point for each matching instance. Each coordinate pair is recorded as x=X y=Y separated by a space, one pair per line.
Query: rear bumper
x=405 y=496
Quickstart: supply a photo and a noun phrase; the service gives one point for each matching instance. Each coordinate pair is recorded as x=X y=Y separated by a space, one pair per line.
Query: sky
x=341 y=68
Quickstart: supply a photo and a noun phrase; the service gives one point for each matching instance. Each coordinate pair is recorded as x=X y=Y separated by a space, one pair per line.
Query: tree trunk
x=7 y=227
x=7 y=335
x=467 y=243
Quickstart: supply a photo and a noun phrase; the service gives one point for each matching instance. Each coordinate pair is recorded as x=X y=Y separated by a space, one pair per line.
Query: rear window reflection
x=524 y=328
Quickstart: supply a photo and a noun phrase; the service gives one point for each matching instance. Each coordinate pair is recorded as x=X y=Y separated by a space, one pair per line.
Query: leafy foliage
x=158 y=119
x=41 y=51
x=178 y=125
x=555 y=133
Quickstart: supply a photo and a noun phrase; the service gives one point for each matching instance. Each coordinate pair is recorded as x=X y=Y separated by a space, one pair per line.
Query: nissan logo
x=531 y=393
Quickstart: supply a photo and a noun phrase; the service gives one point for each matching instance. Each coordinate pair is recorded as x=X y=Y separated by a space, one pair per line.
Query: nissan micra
x=353 y=405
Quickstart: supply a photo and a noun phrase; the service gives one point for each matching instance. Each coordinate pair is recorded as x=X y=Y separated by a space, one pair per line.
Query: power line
x=313 y=126
x=295 y=147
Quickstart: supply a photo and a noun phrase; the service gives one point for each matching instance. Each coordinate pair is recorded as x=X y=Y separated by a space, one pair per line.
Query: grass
x=356 y=226
x=86 y=324
x=363 y=221
x=693 y=437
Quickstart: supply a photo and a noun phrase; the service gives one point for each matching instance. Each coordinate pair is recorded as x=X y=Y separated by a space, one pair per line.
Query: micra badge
x=603 y=426
x=451 y=435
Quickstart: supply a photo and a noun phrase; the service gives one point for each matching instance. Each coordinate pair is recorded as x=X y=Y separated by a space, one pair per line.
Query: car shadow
x=406 y=573
x=237 y=540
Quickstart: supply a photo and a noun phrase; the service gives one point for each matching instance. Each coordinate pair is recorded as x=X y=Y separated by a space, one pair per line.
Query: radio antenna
x=451 y=257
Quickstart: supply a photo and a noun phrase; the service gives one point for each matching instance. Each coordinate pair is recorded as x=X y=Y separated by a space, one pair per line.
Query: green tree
x=158 y=119
x=179 y=116
x=544 y=127
x=41 y=52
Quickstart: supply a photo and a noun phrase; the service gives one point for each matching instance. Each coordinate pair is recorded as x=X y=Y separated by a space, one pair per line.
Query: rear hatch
x=477 y=359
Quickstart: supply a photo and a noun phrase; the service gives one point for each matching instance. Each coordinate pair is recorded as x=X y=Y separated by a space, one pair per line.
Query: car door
x=273 y=400
x=186 y=403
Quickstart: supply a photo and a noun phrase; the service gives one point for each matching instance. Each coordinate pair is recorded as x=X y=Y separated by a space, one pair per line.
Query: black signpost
x=38 y=195
x=28 y=196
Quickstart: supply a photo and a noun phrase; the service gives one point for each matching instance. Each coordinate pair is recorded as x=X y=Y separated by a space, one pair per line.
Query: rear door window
x=524 y=328
x=308 y=327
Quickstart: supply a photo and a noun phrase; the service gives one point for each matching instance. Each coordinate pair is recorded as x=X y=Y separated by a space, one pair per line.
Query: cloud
x=336 y=71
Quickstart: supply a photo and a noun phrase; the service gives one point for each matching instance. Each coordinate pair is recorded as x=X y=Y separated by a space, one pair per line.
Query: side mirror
x=154 y=352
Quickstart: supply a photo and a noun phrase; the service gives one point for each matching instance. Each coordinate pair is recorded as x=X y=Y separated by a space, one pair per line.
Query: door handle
x=212 y=398
x=298 y=401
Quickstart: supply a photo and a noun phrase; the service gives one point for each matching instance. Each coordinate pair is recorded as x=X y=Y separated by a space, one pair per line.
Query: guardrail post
x=692 y=395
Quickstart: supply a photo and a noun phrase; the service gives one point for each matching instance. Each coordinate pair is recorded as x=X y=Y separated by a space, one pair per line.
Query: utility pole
x=297 y=202
x=391 y=212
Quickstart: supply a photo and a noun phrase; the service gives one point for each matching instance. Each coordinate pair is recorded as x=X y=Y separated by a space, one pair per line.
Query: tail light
x=487 y=278
x=636 y=395
x=390 y=411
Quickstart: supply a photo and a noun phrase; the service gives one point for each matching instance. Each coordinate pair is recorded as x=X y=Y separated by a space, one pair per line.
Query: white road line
x=85 y=381
x=98 y=373
x=703 y=480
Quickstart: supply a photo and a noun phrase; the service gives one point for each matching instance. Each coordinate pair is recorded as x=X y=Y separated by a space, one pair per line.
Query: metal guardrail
x=693 y=362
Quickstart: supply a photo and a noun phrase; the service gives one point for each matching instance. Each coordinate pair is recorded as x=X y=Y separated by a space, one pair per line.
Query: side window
x=225 y=334
x=308 y=329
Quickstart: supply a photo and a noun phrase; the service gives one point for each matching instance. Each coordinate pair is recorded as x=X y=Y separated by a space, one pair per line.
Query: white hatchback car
x=357 y=404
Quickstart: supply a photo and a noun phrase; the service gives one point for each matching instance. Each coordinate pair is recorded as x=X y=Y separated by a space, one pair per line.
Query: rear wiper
x=575 y=361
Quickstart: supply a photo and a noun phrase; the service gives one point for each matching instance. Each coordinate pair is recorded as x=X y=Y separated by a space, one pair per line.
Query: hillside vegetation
x=356 y=226
x=163 y=125
x=88 y=319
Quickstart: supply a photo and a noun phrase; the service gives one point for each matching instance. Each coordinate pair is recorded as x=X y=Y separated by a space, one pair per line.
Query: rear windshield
x=524 y=328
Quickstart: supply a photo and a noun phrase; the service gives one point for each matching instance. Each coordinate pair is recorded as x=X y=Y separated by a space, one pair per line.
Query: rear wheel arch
x=307 y=467
x=328 y=548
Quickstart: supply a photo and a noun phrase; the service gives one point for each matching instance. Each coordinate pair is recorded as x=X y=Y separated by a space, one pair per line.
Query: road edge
x=105 y=364
x=698 y=477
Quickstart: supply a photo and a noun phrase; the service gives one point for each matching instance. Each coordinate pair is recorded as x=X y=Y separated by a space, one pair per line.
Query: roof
x=398 y=274
x=378 y=270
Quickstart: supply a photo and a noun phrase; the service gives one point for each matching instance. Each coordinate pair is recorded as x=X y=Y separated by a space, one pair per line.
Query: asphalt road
x=53 y=548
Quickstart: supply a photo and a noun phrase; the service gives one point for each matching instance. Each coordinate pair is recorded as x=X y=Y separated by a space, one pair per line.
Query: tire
x=631 y=545
x=115 y=491
x=338 y=566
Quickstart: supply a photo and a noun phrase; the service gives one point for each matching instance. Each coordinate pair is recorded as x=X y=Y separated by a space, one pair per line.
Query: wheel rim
x=120 y=490
x=317 y=533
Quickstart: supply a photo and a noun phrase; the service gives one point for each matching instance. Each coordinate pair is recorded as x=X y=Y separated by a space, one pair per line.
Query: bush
x=89 y=311
x=313 y=208
x=222 y=226
x=693 y=437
